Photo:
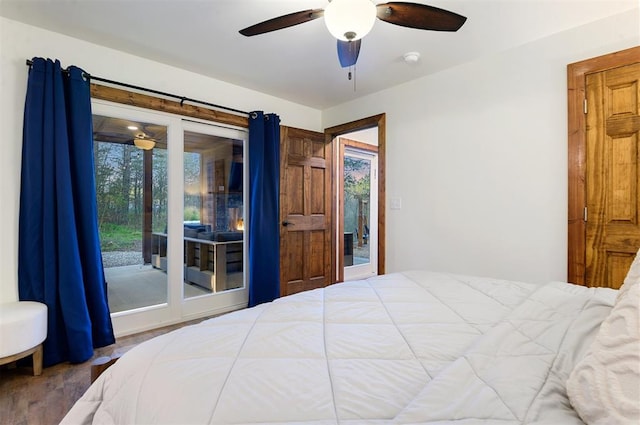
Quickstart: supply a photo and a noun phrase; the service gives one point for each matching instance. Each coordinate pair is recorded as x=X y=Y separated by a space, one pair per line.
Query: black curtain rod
x=131 y=86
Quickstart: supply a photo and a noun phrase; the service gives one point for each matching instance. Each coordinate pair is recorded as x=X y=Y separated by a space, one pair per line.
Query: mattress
x=404 y=348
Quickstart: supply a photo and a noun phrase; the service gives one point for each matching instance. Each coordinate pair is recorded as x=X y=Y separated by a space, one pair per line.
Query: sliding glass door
x=125 y=176
x=214 y=218
x=360 y=213
x=171 y=209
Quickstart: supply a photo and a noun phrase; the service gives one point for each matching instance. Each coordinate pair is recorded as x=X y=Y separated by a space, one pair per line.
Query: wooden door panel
x=623 y=188
x=307 y=262
x=295 y=191
x=622 y=125
x=622 y=181
x=298 y=223
x=617 y=266
x=613 y=174
x=294 y=256
x=305 y=202
x=317 y=196
x=295 y=149
x=316 y=256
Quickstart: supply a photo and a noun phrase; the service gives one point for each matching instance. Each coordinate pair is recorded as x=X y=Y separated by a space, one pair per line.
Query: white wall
x=478 y=155
x=19 y=42
x=370 y=136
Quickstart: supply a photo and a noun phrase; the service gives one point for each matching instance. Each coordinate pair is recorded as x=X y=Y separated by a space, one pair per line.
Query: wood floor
x=42 y=400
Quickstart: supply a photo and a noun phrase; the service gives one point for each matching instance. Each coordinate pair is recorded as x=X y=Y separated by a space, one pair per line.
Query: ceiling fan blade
x=284 y=21
x=420 y=16
x=348 y=52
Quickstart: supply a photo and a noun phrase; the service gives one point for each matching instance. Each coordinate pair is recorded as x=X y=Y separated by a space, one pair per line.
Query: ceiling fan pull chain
x=352 y=75
x=355 y=75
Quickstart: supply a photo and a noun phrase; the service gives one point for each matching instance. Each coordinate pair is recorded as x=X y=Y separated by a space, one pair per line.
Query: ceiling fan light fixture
x=350 y=20
x=144 y=144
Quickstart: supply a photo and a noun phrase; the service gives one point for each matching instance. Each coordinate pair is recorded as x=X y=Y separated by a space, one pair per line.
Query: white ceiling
x=300 y=63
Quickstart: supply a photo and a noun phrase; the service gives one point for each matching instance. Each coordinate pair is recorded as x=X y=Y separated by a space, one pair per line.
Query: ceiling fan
x=350 y=20
x=144 y=142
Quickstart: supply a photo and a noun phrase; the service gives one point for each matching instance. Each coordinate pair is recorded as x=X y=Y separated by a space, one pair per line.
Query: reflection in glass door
x=213 y=219
x=213 y=213
x=360 y=218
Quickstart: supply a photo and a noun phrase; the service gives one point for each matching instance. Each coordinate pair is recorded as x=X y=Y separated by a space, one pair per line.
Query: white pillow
x=604 y=387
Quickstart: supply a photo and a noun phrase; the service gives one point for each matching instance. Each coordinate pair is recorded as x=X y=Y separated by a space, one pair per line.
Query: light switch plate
x=396 y=203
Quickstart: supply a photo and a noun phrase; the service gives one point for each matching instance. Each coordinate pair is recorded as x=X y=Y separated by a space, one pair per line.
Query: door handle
x=286 y=223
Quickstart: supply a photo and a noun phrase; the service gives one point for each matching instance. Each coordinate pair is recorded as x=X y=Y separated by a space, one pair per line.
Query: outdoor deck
x=134 y=286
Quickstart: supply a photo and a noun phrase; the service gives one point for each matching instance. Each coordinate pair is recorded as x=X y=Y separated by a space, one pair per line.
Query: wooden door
x=305 y=211
x=612 y=174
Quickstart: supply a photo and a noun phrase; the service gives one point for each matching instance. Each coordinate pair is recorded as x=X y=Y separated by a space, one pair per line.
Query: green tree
x=160 y=187
x=357 y=187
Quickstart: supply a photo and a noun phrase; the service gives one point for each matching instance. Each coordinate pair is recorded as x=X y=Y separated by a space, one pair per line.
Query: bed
x=403 y=348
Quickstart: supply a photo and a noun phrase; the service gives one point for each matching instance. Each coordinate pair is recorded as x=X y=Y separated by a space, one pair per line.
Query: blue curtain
x=264 y=208
x=59 y=257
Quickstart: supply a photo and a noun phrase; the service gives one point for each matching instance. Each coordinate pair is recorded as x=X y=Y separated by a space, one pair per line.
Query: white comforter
x=405 y=348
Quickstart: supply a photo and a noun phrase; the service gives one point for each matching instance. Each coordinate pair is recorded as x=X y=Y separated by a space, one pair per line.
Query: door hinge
x=584 y=105
x=585 y=214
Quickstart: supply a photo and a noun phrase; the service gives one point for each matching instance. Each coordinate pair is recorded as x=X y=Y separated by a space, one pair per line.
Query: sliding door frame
x=369 y=153
x=176 y=309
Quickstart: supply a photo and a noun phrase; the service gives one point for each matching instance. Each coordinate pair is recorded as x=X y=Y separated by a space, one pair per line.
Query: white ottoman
x=23 y=328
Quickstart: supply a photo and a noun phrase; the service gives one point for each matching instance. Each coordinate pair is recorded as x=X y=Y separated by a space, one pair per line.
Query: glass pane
x=131 y=188
x=357 y=183
x=213 y=214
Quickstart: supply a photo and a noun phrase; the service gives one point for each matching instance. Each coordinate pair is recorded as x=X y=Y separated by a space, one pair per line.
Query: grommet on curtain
x=254 y=115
